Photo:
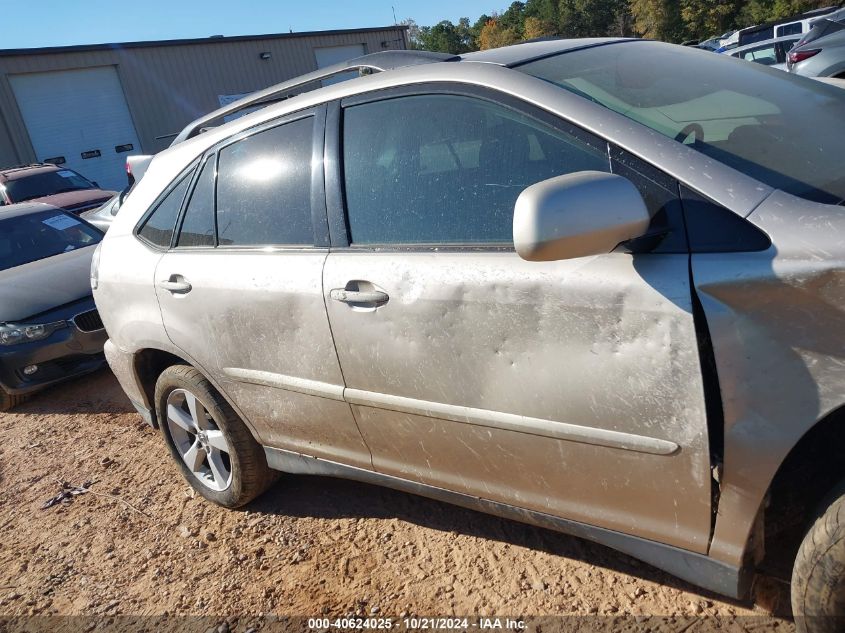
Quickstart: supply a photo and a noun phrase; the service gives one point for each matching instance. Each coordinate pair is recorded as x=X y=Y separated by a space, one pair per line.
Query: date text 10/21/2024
x=417 y=624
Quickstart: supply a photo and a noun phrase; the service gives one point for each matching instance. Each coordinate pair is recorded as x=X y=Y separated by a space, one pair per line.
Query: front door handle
x=177 y=284
x=363 y=298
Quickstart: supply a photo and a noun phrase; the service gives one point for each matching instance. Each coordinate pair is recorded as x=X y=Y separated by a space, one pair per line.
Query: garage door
x=82 y=117
x=330 y=55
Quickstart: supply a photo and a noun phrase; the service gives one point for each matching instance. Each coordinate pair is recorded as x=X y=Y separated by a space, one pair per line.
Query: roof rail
x=374 y=62
x=25 y=166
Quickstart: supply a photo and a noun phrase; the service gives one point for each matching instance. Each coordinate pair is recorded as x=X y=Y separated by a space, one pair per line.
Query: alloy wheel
x=198 y=440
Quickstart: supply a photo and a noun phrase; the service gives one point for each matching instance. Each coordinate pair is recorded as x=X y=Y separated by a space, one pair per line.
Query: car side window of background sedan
x=264 y=188
x=447 y=169
x=198 y=221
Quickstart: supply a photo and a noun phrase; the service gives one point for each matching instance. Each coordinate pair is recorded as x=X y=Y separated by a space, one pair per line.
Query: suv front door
x=571 y=388
x=241 y=288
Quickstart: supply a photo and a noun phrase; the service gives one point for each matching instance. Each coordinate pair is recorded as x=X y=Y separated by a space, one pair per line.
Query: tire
x=197 y=432
x=8 y=401
x=818 y=576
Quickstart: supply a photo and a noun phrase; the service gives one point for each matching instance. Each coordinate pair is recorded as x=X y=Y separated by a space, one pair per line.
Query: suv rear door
x=241 y=289
x=571 y=388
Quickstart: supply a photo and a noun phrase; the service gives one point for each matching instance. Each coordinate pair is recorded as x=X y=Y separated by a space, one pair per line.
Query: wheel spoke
x=181 y=419
x=218 y=469
x=197 y=410
x=216 y=440
x=194 y=456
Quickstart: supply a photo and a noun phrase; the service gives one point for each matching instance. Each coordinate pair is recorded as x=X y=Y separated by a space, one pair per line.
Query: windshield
x=46 y=183
x=28 y=238
x=786 y=131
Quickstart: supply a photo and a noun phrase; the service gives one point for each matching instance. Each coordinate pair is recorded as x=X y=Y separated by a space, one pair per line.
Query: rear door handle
x=368 y=298
x=176 y=284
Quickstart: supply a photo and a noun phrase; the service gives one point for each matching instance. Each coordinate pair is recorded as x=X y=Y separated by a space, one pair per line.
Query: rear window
x=46 y=183
x=34 y=236
x=745 y=114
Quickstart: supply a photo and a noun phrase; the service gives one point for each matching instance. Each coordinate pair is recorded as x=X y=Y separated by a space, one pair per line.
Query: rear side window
x=158 y=229
x=762 y=55
x=198 y=223
x=264 y=188
x=447 y=169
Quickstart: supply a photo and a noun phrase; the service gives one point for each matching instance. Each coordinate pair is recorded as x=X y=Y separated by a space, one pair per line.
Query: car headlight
x=13 y=334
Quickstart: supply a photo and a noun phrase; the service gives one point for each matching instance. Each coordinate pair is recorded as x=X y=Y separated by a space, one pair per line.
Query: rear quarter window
x=158 y=228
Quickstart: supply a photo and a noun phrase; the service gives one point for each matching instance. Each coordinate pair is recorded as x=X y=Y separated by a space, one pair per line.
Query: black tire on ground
x=8 y=401
x=250 y=474
x=818 y=576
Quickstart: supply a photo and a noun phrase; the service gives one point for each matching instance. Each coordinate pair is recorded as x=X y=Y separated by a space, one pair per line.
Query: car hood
x=77 y=200
x=48 y=283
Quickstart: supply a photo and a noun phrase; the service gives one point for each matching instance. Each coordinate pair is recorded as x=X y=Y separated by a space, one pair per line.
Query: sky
x=37 y=23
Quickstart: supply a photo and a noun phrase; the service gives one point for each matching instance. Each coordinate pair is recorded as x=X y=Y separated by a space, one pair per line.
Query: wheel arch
x=150 y=362
x=810 y=470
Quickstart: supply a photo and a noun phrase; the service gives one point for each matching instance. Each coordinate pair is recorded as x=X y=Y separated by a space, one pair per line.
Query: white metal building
x=86 y=107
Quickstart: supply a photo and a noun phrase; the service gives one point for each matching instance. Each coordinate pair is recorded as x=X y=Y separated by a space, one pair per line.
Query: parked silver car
x=770 y=53
x=104 y=215
x=822 y=57
x=577 y=283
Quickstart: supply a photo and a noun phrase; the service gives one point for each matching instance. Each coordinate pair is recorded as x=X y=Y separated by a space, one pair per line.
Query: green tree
x=591 y=18
x=710 y=17
x=544 y=10
x=669 y=20
x=760 y=11
x=535 y=27
x=477 y=27
x=513 y=19
x=788 y=8
x=755 y=12
x=445 y=37
x=657 y=19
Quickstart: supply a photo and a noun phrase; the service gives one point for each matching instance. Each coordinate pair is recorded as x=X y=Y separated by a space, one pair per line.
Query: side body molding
x=468 y=415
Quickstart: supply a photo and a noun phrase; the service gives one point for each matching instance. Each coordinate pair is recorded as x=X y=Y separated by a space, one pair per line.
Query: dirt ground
x=141 y=544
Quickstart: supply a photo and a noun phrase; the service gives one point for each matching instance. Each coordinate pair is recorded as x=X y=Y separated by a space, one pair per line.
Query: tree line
x=668 y=20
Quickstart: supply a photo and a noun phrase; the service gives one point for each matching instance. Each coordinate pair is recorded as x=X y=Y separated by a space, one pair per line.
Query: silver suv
x=596 y=285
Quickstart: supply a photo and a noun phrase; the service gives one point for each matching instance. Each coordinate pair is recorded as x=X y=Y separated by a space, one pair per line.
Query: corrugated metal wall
x=168 y=86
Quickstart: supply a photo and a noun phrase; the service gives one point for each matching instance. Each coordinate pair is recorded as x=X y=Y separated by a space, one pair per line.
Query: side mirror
x=580 y=214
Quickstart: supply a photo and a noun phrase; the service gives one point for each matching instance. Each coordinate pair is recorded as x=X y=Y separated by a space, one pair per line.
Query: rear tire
x=212 y=446
x=8 y=401
x=818 y=577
